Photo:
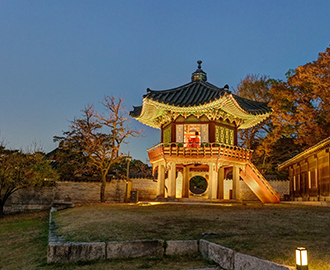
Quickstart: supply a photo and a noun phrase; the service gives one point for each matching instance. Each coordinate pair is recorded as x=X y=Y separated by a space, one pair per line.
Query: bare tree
x=99 y=136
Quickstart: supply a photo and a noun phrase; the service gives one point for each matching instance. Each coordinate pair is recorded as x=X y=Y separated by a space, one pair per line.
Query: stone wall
x=88 y=192
x=64 y=192
x=30 y=199
x=281 y=186
x=246 y=193
x=147 y=188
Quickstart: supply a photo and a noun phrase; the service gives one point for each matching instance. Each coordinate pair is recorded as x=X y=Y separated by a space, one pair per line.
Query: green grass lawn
x=271 y=232
x=23 y=241
x=23 y=246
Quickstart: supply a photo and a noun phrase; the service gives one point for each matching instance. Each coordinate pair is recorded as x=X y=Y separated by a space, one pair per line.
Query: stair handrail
x=263 y=180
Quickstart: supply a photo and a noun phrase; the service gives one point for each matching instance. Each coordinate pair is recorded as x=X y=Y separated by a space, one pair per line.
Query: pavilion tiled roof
x=202 y=95
x=199 y=93
x=136 y=111
x=251 y=106
x=191 y=94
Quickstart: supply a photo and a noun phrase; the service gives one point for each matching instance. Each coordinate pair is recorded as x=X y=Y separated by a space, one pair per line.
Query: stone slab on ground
x=134 y=249
x=180 y=247
x=86 y=251
x=204 y=248
x=230 y=260
x=222 y=256
x=247 y=262
x=76 y=251
x=57 y=252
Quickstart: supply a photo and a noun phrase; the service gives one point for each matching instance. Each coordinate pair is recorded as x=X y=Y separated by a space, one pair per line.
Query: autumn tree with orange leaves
x=300 y=117
x=99 y=136
x=254 y=87
x=267 y=154
x=301 y=105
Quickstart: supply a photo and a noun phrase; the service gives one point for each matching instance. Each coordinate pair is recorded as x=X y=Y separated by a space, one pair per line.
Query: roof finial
x=199 y=74
x=199 y=62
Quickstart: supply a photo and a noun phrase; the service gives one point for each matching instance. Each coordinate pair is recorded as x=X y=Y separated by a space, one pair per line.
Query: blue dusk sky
x=56 y=57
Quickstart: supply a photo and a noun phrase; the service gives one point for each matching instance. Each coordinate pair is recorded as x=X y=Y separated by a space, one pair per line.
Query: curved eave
x=152 y=109
x=250 y=117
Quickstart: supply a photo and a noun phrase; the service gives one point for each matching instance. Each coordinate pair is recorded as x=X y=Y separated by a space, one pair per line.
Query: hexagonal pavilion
x=199 y=123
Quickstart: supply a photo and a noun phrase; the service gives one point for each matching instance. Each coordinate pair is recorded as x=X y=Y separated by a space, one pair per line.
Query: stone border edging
x=230 y=260
x=64 y=252
x=81 y=251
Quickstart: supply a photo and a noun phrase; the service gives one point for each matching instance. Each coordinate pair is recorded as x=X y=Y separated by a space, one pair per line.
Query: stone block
x=86 y=251
x=179 y=247
x=134 y=249
x=204 y=248
x=222 y=256
x=247 y=262
x=73 y=252
x=58 y=252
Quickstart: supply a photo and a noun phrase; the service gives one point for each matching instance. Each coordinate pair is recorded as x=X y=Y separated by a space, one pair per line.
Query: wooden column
x=185 y=182
x=236 y=191
x=161 y=182
x=213 y=177
x=172 y=181
x=221 y=178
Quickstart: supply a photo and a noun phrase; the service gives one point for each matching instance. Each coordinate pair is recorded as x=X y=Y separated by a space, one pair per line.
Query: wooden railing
x=213 y=150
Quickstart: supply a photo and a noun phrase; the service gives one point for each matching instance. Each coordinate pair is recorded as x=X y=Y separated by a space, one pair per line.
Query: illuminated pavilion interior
x=199 y=123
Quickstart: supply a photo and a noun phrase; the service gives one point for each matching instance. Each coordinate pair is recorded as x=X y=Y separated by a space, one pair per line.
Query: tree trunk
x=103 y=184
x=1 y=209
x=4 y=198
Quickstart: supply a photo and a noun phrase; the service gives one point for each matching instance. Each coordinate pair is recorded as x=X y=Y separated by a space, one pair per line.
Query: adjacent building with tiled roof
x=309 y=173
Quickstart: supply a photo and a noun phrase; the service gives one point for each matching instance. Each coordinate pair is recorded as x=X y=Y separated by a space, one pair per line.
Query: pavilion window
x=192 y=135
x=231 y=137
x=167 y=135
x=186 y=132
x=204 y=133
x=224 y=135
x=179 y=134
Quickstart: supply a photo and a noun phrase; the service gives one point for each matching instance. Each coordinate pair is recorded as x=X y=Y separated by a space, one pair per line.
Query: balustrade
x=215 y=150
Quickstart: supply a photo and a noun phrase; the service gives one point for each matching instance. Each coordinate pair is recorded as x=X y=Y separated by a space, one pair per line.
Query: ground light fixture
x=301 y=258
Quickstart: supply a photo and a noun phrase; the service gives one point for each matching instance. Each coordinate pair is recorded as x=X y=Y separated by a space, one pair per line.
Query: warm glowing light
x=301 y=258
